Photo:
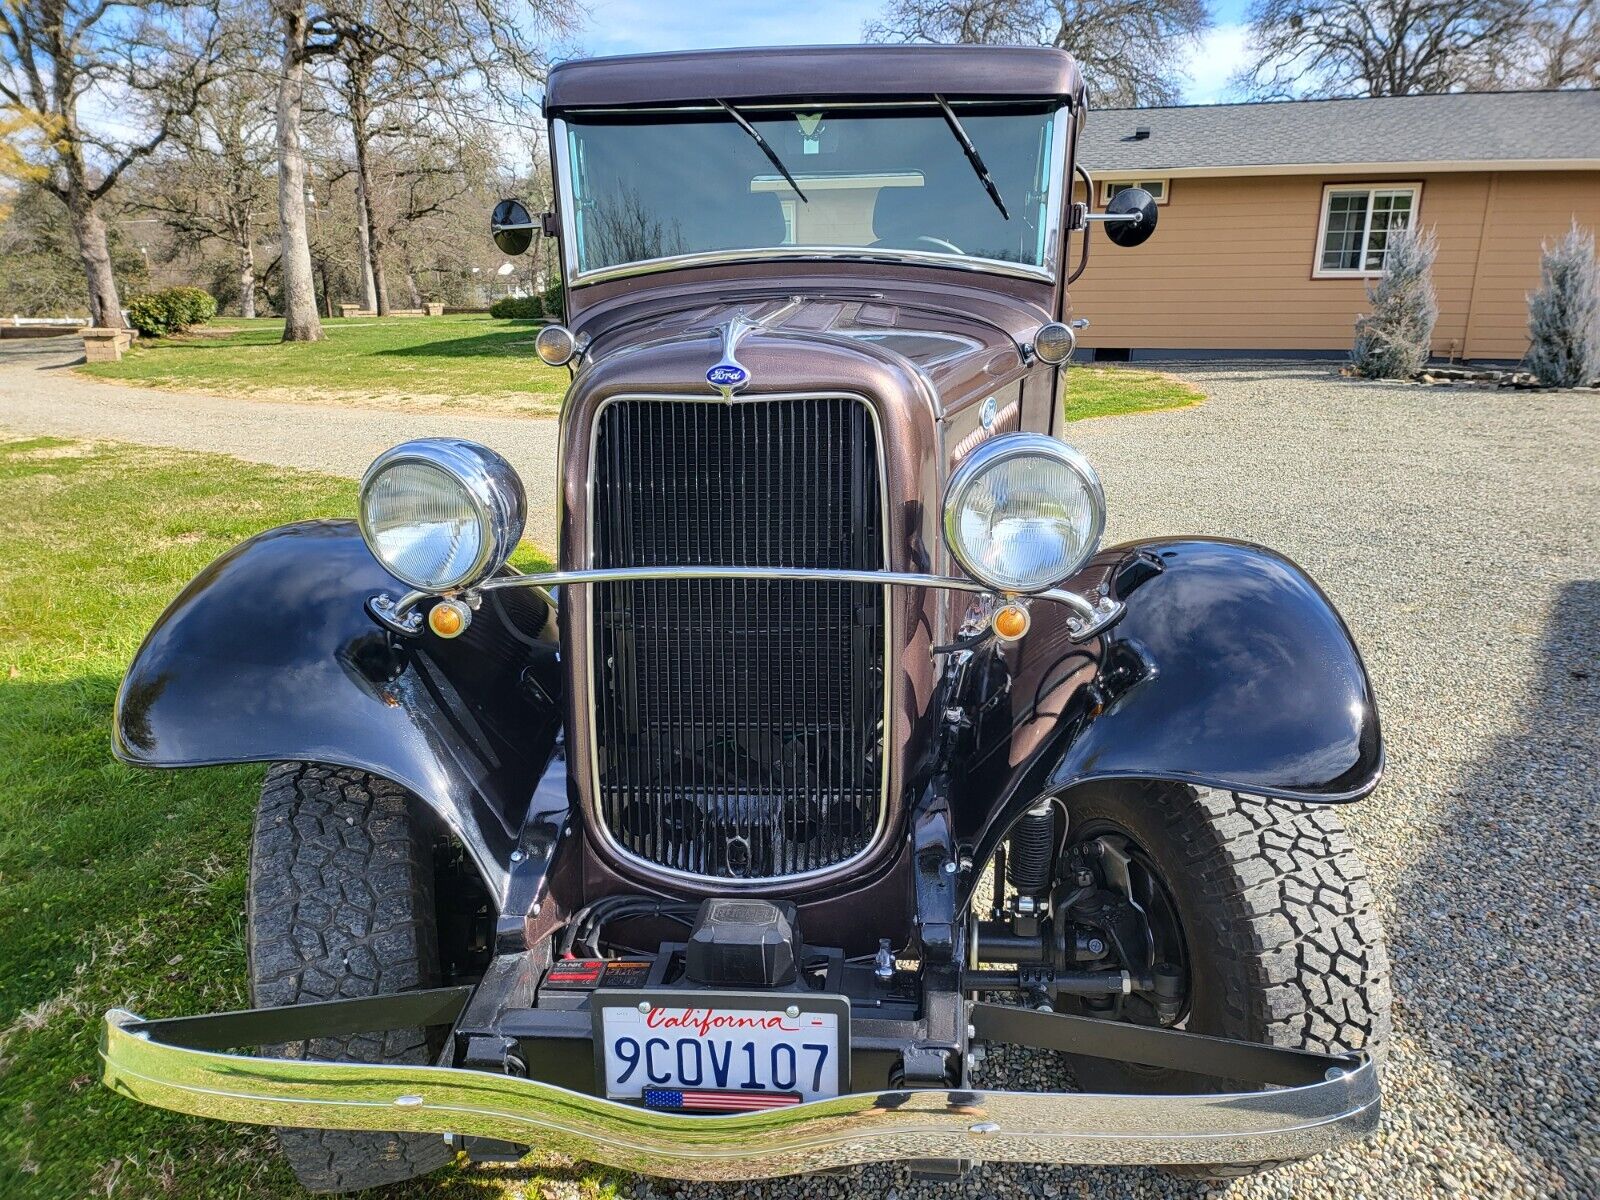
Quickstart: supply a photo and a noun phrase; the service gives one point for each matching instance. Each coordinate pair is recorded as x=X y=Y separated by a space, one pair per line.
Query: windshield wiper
x=772 y=155
x=973 y=157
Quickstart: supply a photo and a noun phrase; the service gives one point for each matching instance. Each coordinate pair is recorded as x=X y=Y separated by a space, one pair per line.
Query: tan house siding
x=1231 y=264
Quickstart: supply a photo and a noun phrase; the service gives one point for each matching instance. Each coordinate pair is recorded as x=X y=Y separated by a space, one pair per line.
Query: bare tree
x=1317 y=48
x=1559 y=47
x=304 y=37
x=41 y=271
x=1130 y=51
x=419 y=183
x=213 y=180
x=151 y=59
x=414 y=73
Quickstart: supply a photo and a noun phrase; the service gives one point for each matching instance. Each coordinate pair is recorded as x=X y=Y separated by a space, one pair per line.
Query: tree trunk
x=247 y=280
x=105 y=309
x=411 y=286
x=377 y=299
x=379 y=281
x=300 y=323
x=247 y=275
x=369 y=286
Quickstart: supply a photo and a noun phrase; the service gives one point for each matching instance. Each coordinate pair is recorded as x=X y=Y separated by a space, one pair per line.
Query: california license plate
x=721 y=1051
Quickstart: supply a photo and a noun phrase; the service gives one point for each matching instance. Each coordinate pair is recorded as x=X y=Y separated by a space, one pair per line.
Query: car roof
x=803 y=73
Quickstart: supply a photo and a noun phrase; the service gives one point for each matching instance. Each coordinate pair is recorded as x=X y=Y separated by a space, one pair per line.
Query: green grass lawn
x=404 y=362
x=1111 y=391
x=120 y=886
x=467 y=363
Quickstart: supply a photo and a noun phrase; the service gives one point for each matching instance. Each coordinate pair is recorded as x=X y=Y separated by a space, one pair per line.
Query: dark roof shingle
x=1461 y=127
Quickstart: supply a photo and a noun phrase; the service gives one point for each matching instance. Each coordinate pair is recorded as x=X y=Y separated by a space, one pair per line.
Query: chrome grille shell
x=673 y=782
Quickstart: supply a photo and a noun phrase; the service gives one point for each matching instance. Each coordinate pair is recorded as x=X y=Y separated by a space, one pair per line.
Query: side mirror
x=1132 y=217
x=513 y=227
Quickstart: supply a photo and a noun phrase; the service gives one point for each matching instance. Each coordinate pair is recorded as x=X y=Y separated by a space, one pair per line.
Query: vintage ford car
x=837 y=749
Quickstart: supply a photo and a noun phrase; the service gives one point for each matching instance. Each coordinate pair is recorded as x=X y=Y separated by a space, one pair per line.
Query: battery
x=575 y=975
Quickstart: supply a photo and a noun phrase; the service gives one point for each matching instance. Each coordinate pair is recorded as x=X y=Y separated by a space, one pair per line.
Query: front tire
x=341 y=905
x=1278 y=923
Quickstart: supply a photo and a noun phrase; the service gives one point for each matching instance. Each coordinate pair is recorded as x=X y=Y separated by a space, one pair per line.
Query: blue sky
x=639 y=26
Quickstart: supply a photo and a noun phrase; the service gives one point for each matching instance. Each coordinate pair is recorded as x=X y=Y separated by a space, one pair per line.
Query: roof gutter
x=1437 y=167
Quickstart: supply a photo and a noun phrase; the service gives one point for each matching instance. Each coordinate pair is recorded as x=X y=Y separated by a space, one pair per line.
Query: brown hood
x=959 y=343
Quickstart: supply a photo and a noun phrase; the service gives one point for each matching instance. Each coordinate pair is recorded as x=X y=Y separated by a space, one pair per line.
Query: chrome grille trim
x=591 y=736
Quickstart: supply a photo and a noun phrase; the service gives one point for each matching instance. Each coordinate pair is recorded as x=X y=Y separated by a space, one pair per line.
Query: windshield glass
x=654 y=186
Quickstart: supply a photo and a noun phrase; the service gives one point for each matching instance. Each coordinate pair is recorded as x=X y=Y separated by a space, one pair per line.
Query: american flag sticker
x=707 y=1100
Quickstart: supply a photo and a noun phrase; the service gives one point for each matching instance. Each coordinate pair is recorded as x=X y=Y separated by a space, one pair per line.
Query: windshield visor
x=895 y=182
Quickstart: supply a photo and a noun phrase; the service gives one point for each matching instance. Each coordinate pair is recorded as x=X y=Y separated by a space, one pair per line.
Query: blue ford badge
x=727 y=375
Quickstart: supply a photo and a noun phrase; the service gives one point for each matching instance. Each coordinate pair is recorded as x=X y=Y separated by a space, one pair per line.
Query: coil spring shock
x=1029 y=861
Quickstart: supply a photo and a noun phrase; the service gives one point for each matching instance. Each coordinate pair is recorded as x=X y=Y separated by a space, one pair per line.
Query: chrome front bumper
x=981 y=1126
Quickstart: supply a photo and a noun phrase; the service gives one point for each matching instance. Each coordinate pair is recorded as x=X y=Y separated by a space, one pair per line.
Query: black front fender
x=1229 y=668
x=270 y=654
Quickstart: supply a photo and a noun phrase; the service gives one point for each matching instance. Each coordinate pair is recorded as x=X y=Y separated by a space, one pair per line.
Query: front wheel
x=1263 y=903
x=342 y=905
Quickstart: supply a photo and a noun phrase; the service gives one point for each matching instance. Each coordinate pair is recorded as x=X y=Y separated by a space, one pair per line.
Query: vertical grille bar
x=738 y=723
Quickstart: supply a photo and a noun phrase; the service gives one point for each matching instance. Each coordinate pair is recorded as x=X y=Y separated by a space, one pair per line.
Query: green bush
x=156 y=314
x=555 y=299
x=192 y=305
x=149 y=314
x=517 y=308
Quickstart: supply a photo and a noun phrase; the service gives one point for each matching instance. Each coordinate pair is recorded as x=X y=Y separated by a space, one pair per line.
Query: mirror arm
x=545 y=224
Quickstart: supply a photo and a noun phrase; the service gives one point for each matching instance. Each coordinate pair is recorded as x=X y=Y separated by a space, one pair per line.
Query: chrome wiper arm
x=772 y=155
x=973 y=156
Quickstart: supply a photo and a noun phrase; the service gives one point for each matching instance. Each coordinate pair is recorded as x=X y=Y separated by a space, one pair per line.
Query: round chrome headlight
x=1023 y=512
x=555 y=345
x=441 y=514
x=1054 y=342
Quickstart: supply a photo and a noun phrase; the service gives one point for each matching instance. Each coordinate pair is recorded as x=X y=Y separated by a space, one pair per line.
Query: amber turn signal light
x=1011 y=621
x=449 y=618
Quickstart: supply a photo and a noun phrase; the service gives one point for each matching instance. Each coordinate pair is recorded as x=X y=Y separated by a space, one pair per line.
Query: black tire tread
x=1294 y=910
x=341 y=905
x=1299 y=917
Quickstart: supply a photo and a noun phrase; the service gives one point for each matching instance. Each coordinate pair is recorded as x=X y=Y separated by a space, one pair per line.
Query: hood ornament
x=729 y=374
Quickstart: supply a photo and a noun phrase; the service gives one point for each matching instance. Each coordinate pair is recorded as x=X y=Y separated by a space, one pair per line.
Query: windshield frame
x=1049 y=272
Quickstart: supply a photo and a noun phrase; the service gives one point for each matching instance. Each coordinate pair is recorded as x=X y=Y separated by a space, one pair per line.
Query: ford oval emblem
x=727 y=375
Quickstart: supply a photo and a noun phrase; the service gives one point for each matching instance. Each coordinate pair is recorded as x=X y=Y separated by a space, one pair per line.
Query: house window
x=1156 y=187
x=1356 y=225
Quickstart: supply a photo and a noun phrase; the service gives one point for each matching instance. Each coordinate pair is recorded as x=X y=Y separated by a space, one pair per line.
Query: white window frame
x=1107 y=184
x=1328 y=189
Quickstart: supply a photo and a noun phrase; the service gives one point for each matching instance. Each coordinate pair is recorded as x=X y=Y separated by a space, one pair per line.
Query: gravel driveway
x=1459 y=533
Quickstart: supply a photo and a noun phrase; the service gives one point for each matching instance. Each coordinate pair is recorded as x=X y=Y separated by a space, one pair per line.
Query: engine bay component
x=1033 y=850
x=743 y=943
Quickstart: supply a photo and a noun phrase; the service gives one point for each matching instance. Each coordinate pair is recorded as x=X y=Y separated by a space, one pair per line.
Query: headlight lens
x=441 y=514
x=1023 y=512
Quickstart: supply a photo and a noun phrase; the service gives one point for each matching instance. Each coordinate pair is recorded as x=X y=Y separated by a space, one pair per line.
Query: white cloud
x=1221 y=53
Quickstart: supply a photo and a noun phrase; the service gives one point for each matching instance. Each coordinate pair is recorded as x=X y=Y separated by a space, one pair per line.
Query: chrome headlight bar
x=1088 y=617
